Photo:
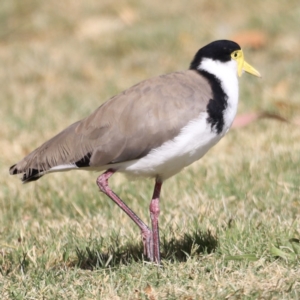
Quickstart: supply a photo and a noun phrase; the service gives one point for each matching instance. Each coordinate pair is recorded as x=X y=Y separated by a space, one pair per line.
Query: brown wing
x=127 y=126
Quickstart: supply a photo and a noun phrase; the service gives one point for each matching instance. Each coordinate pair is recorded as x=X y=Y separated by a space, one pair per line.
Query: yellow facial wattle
x=238 y=55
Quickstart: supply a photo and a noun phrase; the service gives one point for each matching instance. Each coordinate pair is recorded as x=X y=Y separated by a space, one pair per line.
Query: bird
x=153 y=129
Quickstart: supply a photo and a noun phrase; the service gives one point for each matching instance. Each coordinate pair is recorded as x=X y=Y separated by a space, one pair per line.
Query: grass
x=229 y=223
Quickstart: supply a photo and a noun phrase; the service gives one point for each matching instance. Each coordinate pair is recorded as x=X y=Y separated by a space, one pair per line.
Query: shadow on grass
x=172 y=249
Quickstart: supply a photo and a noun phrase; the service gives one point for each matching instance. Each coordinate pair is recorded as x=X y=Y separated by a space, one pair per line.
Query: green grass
x=229 y=223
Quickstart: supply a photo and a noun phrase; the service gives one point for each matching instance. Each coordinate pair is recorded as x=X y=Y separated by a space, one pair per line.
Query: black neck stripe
x=218 y=104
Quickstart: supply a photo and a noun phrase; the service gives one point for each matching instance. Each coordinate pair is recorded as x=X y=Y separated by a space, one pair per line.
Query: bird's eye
x=235 y=55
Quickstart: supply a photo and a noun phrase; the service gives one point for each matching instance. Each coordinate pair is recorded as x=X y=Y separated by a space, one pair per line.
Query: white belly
x=191 y=144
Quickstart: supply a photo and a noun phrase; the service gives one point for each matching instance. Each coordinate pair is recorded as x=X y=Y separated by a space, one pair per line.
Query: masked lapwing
x=153 y=129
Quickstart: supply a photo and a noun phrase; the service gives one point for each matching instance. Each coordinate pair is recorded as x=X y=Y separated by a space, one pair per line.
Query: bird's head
x=221 y=53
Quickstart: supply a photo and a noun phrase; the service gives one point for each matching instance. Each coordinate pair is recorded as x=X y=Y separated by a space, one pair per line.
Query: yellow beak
x=244 y=66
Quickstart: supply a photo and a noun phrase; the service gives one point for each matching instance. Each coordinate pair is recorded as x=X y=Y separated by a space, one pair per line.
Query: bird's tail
x=28 y=174
x=61 y=153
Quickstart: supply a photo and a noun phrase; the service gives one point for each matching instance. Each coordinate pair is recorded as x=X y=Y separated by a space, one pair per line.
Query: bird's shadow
x=172 y=249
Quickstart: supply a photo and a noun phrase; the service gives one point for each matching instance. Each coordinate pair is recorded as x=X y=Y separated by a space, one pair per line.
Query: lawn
x=230 y=223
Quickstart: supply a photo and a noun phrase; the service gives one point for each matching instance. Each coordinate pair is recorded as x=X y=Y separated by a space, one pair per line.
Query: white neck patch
x=227 y=73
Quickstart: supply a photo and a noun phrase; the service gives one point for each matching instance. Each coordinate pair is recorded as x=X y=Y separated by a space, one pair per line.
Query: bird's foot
x=147 y=238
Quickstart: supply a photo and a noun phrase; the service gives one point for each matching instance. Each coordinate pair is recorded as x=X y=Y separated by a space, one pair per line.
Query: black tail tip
x=31 y=175
x=13 y=170
x=27 y=176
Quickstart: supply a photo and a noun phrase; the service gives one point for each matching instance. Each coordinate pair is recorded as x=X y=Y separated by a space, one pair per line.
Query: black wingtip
x=84 y=161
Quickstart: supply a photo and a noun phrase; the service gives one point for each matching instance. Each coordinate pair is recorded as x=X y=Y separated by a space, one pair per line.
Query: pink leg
x=154 y=214
x=102 y=182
